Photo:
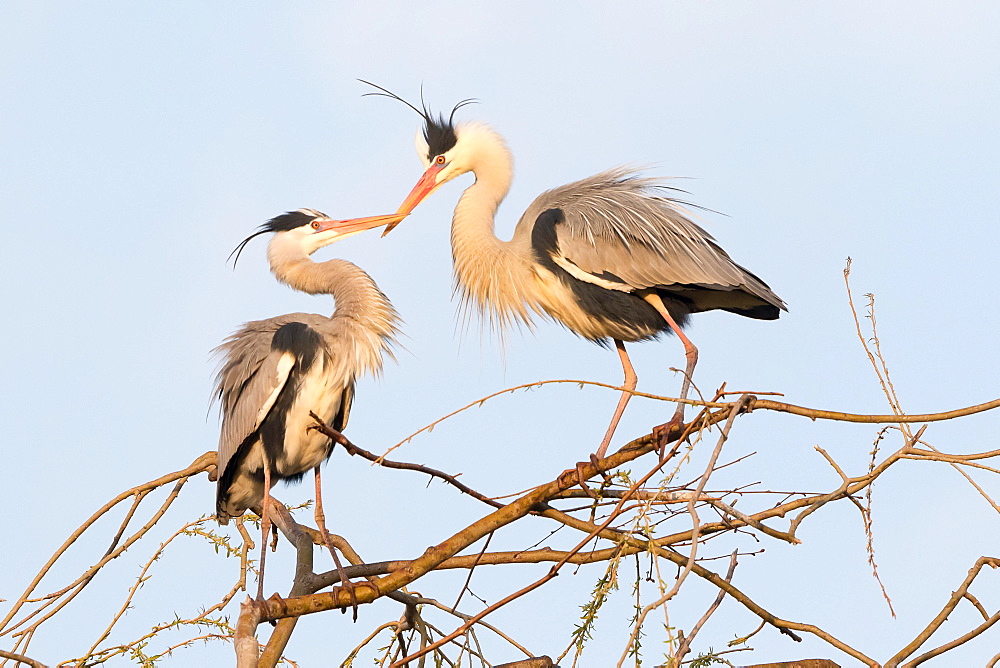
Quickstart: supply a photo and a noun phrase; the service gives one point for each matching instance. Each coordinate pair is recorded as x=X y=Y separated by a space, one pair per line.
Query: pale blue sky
x=140 y=142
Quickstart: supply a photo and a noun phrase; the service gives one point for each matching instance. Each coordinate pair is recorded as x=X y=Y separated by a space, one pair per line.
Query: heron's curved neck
x=359 y=302
x=489 y=272
x=493 y=167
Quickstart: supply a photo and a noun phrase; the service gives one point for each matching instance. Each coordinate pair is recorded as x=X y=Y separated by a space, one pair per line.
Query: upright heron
x=612 y=256
x=275 y=372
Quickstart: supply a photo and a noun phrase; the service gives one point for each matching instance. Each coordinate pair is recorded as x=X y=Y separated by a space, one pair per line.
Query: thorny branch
x=618 y=506
x=11 y=625
x=443 y=555
x=758 y=404
x=352 y=449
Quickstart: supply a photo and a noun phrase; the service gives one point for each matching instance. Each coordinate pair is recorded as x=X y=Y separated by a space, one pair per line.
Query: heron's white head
x=474 y=145
x=300 y=233
x=448 y=152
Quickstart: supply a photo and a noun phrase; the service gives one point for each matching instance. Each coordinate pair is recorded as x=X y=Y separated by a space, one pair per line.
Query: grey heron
x=611 y=257
x=274 y=372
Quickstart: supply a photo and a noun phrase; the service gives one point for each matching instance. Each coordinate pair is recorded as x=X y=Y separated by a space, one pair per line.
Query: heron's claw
x=261 y=604
x=596 y=461
x=663 y=433
x=581 y=478
x=345 y=582
x=352 y=590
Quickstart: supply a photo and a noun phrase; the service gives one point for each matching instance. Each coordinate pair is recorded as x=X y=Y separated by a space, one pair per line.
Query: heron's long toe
x=352 y=590
x=668 y=432
x=581 y=479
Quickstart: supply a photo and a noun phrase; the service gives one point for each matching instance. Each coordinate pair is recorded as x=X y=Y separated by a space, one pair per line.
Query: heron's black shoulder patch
x=299 y=339
x=543 y=233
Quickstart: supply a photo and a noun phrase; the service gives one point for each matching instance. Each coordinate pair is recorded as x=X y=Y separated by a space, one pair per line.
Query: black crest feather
x=439 y=133
x=289 y=220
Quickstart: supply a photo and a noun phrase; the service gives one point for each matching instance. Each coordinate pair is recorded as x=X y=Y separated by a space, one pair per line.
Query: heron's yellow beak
x=355 y=225
x=425 y=186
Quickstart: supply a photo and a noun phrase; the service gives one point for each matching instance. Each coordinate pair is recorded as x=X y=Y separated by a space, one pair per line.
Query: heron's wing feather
x=250 y=377
x=619 y=230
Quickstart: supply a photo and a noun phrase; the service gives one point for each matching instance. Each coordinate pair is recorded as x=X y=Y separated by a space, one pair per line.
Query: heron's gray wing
x=249 y=378
x=618 y=230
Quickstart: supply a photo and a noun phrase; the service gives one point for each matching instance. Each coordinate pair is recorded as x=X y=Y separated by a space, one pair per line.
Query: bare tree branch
x=689 y=638
x=20 y=658
x=352 y=449
x=949 y=607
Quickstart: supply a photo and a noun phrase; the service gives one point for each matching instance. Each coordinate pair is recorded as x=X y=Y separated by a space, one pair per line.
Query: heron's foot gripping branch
x=342 y=597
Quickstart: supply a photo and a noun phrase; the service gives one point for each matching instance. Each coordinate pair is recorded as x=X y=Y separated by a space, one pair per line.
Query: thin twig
x=736 y=409
x=199 y=465
x=468 y=578
x=689 y=638
x=352 y=449
x=761 y=404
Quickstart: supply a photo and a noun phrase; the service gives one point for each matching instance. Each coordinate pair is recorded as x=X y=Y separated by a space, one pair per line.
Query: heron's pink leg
x=321 y=525
x=265 y=528
x=690 y=352
x=629 y=384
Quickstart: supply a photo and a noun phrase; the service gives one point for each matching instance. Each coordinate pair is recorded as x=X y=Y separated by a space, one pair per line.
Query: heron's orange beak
x=355 y=225
x=425 y=186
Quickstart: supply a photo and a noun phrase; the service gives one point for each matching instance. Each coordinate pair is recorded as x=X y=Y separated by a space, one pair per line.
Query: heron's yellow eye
x=439 y=160
x=315 y=225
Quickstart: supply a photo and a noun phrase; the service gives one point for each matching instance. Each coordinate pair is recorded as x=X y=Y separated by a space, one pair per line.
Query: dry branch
x=948 y=608
x=64 y=596
x=20 y=658
x=608 y=504
x=353 y=449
